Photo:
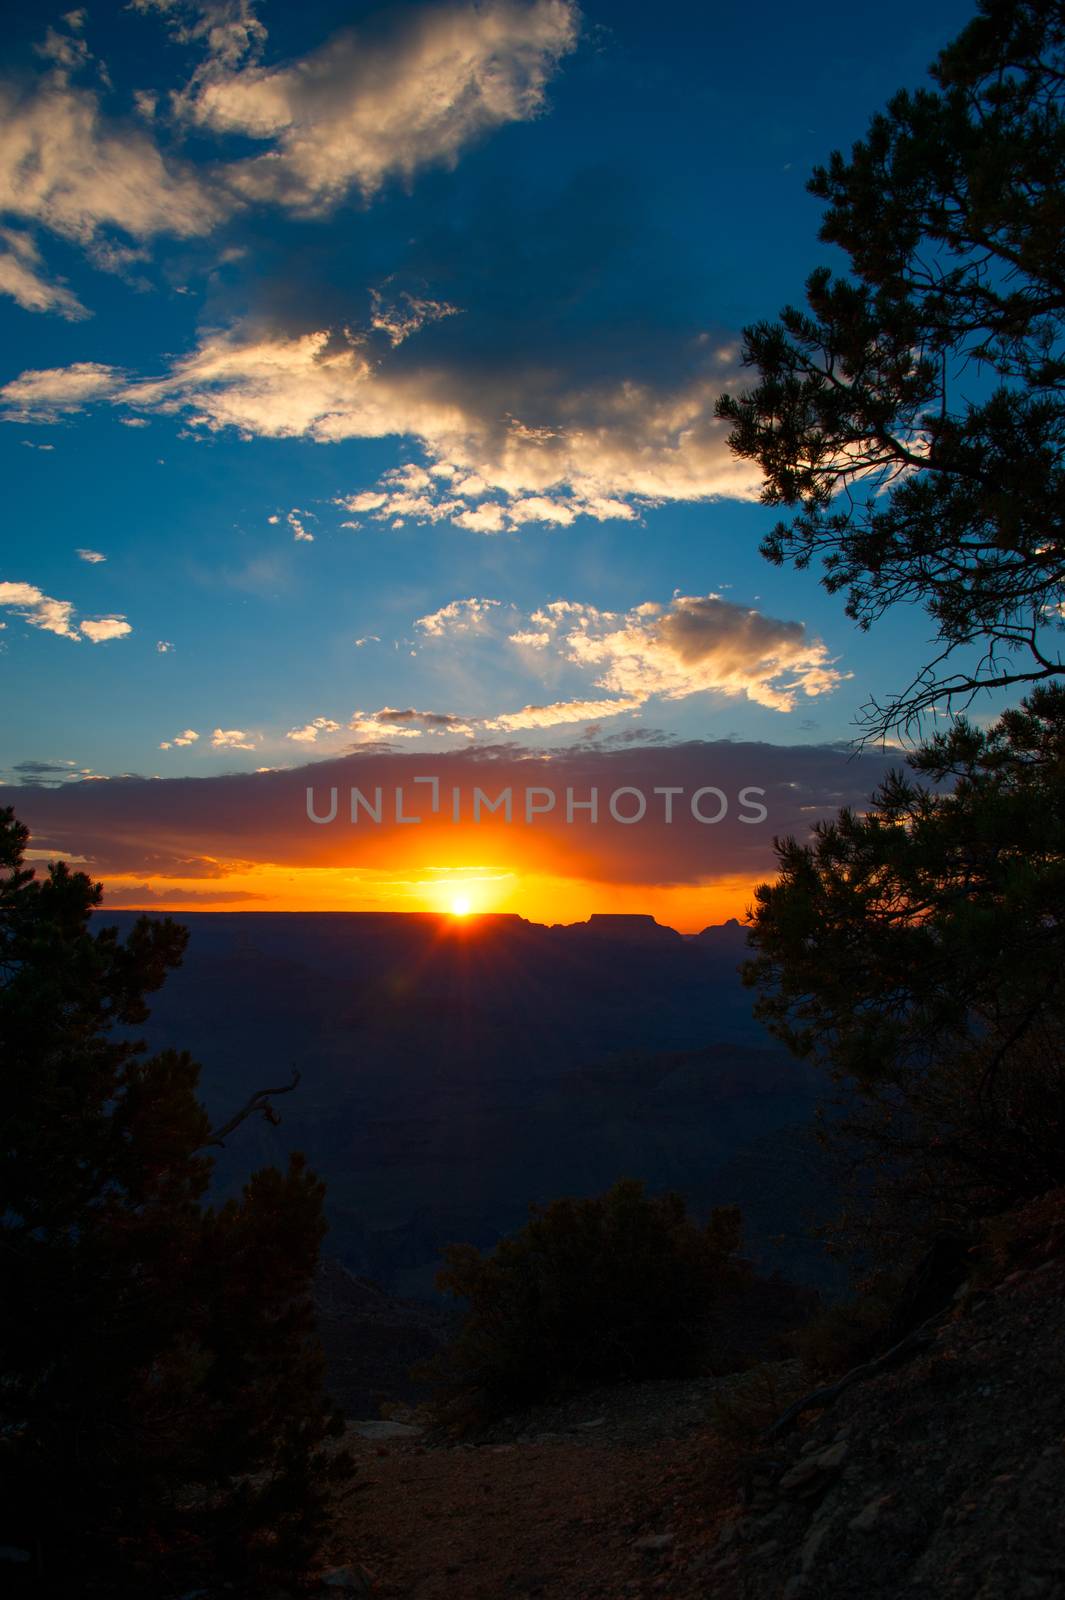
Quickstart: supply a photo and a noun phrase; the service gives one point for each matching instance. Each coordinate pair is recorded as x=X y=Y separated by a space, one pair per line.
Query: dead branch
x=260 y=1102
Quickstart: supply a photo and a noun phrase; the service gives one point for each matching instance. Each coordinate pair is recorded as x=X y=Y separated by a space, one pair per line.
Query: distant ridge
x=629 y=927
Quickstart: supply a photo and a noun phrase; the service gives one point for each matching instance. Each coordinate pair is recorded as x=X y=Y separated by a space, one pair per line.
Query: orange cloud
x=525 y=827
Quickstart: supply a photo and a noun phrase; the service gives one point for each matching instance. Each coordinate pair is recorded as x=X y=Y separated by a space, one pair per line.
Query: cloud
x=164 y=646
x=21 y=277
x=697 y=644
x=228 y=30
x=516 y=444
x=406 y=93
x=197 y=826
x=299 y=531
x=408 y=723
x=100 y=629
x=398 y=323
x=458 y=617
x=39 y=609
x=66 y=51
x=65 y=167
x=369 y=106
x=41 y=395
x=138 y=895
x=92 y=556
x=369 y=638
x=308 y=734
x=232 y=739
x=180 y=740
x=561 y=711
x=50 y=773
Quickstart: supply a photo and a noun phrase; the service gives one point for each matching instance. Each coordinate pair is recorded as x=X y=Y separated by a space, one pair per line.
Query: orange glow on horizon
x=453 y=891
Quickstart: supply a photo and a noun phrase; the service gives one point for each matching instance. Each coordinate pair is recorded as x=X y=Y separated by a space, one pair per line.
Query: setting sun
x=460 y=906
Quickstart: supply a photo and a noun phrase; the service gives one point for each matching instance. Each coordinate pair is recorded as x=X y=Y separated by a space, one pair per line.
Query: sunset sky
x=358 y=369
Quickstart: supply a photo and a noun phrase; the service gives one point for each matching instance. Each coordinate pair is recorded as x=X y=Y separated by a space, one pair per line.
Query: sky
x=357 y=373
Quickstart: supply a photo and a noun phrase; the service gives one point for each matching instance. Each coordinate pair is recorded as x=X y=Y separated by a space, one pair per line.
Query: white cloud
x=299 y=531
x=21 y=277
x=698 y=644
x=399 y=322
x=486 y=518
x=458 y=617
x=164 y=646
x=560 y=711
x=409 y=723
x=228 y=30
x=101 y=629
x=92 y=556
x=41 y=395
x=232 y=739
x=365 y=108
x=369 y=638
x=40 y=610
x=62 y=165
x=309 y=733
x=180 y=740
x=613 y=446
x=67 y=53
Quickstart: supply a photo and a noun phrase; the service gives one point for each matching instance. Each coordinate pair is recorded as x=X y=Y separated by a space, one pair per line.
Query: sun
x=460 y=906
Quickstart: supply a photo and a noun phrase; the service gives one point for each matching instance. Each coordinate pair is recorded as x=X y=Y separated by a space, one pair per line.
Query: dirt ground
x=612 y=1496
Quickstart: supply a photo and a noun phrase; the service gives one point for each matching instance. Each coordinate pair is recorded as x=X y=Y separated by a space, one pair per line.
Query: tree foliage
x=161 y=1409
x=590 y=1291
x=915 y=412
x=917 y=951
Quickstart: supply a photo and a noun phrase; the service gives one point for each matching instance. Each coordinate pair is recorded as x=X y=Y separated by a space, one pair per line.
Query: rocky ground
x=941 y=1477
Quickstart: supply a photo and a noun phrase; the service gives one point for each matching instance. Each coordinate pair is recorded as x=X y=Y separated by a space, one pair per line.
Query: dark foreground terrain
x=455 y=1071
x=940 y=1476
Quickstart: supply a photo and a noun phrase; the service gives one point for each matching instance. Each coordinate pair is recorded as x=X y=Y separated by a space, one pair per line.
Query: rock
x=347 y=1580
x=869 y=1515
x=652 y=1542
x=814 y=1540
x=810 y=1472
x=376 y=1428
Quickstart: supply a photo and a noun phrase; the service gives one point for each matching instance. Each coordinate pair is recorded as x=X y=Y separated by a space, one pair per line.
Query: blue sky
x=467 y=278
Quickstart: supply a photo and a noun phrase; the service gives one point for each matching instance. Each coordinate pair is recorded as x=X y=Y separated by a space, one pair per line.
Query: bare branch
x=260 y=1102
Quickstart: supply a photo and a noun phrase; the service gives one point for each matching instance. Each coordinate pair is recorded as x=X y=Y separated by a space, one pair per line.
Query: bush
x=844 y=1335
x=590 y=1291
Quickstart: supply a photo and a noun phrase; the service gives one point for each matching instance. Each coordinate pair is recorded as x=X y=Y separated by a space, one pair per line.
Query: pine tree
x=162 y=1420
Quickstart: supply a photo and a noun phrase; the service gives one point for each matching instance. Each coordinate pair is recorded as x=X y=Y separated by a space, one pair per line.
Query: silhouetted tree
x=589 y=1291
x=917 y=951
x=915 y=413
x=161 y=1410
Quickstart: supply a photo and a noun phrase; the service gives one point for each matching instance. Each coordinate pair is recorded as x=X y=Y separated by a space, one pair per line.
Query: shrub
x=589 y=1291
